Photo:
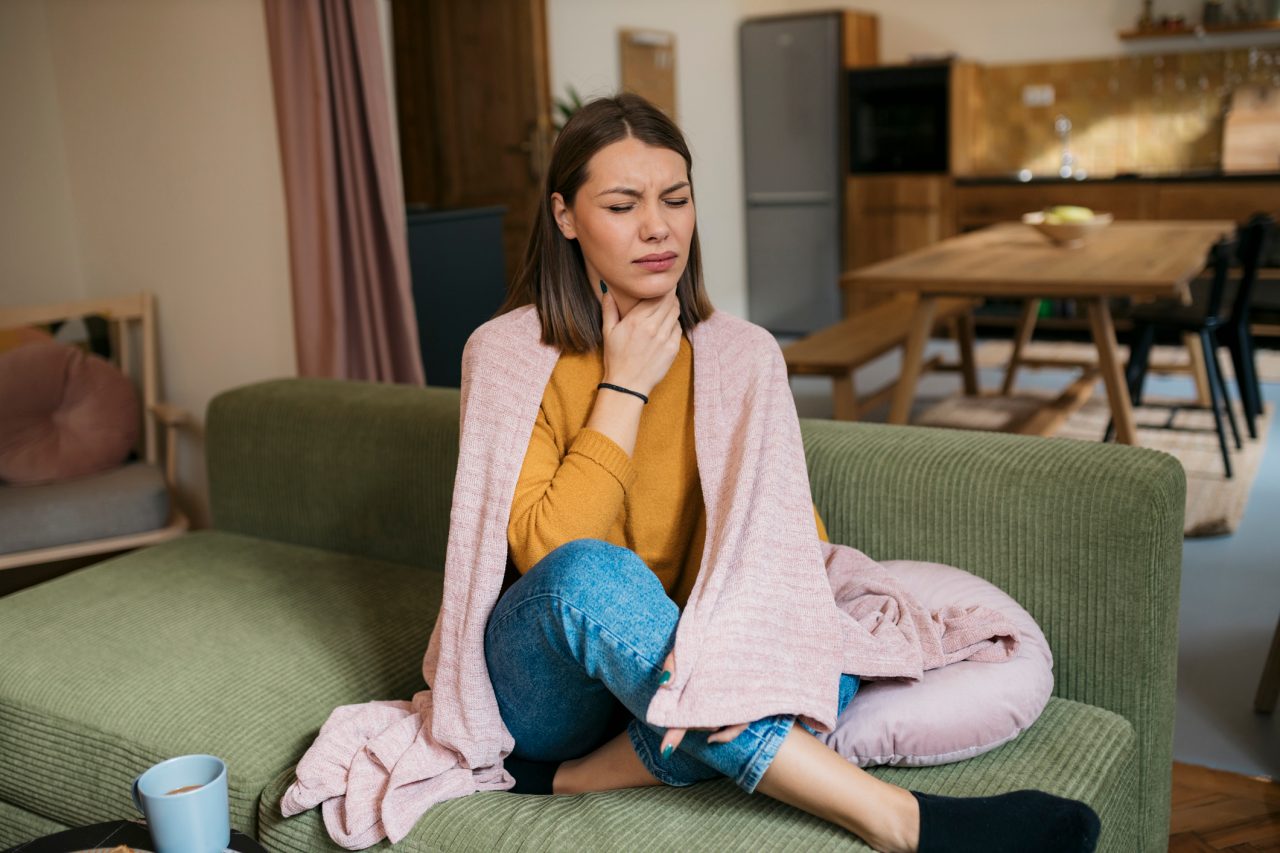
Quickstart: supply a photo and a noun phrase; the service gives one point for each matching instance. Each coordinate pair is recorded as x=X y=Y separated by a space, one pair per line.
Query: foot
x=1018 y=821
x=613 y=765
x=564 y=781
x=897 y=829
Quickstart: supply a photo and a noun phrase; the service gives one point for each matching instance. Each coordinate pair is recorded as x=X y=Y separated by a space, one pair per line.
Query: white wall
x=39 y=254
x=582 y=40
x=161 y=115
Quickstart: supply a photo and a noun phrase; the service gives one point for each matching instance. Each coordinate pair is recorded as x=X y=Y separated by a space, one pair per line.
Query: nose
x=653 y=226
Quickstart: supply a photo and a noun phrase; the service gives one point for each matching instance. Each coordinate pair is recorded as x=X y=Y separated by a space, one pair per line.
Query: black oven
x=899 y=118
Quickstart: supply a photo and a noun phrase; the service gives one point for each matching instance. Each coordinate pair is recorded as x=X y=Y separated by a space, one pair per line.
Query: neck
x=625 y=303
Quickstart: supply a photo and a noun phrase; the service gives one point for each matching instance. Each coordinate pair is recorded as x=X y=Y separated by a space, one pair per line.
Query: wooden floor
x=1214 y=810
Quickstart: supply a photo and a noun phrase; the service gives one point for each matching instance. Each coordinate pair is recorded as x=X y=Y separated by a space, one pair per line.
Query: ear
x=563 y=217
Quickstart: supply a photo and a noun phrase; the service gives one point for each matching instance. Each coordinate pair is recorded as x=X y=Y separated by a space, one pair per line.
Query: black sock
x=532 y=777
x=1018 y=821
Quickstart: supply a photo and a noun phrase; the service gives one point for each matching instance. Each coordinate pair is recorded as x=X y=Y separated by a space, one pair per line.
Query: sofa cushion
x=130 y=499
x=1073 y=750
x=957 y=711
x=66 y=414
x=19 y=825
x=214 y=642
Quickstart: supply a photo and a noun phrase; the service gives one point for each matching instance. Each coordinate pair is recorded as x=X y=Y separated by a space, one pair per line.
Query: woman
x=607 y=523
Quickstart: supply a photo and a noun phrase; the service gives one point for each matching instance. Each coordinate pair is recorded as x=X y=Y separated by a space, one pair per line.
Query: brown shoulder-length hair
x=554 y=276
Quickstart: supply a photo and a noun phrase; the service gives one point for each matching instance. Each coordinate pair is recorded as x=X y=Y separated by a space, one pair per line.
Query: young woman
x=607 y=522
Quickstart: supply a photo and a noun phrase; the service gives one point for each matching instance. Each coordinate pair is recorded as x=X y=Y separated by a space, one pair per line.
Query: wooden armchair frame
x=124 y=314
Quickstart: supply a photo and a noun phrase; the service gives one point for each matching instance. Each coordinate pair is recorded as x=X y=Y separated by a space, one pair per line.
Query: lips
x=657 y=262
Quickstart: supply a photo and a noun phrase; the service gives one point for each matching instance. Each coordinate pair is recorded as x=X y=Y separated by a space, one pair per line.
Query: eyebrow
x=637 y=194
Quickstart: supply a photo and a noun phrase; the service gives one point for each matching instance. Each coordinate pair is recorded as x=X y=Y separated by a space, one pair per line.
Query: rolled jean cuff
x=770 y=741
x=650 y=761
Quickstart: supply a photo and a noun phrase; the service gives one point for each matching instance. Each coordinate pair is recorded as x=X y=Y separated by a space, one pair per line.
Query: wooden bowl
x=1069 y=234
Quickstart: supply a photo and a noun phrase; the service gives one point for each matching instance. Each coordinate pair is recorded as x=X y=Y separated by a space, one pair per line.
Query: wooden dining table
x=1137 y=259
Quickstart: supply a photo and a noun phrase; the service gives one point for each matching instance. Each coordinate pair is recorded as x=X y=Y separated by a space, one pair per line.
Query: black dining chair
x=1257 y=241
x=1205 y=318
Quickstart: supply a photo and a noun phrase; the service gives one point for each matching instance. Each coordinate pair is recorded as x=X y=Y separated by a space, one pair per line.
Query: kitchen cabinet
x=888 y=215
x=982 y=205
x=1229 y=200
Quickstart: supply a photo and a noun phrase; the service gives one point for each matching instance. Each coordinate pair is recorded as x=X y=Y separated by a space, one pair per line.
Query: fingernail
x=666 y=676
x=604 y=288
x=666 y=751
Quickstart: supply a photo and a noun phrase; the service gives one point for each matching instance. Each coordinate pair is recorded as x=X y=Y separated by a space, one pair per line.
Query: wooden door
x=473 y=99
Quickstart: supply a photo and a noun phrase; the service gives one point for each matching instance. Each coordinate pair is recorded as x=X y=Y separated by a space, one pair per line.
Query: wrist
x=620 y=390
x=629 y=383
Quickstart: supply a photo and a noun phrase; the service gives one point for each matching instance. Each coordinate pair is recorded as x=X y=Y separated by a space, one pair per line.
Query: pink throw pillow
x=63 y=414
x=955 y=712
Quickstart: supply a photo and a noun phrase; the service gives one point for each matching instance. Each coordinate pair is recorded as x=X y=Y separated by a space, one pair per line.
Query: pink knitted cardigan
x=774 y=618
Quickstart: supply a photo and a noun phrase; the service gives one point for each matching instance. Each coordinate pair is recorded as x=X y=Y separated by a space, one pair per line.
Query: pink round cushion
x=957 y=711
x=63 y=414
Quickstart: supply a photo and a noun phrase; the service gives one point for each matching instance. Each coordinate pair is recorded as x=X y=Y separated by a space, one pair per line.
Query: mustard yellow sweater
x=577 y=483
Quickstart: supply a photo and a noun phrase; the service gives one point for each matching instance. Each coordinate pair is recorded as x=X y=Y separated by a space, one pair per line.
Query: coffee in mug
x=183 y=790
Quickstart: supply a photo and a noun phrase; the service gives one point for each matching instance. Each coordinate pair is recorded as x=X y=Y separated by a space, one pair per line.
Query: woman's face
x=633 y=219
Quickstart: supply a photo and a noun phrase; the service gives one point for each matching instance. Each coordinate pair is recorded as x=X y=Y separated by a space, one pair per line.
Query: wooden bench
x=837 y=351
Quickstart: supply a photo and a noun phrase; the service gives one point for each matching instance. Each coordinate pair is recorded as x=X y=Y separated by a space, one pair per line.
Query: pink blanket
x=774 y=618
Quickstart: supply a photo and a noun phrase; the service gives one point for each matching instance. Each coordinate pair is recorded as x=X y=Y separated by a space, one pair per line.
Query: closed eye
x=670 y=202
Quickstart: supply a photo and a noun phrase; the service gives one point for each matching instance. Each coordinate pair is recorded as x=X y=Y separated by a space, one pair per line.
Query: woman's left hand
x=673 y=737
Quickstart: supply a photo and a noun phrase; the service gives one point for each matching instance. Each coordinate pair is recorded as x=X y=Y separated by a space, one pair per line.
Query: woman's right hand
x=639 y=349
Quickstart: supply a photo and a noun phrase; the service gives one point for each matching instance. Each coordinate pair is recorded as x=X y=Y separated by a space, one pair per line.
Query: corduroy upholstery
x=1081 y=752
x=18 y=825
x=214 y=642
x=361 y=468
x=229 y=642
x=1086 y=536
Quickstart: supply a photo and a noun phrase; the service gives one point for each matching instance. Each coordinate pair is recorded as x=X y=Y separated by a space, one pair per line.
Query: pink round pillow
x=957 y=711
x=63 y=414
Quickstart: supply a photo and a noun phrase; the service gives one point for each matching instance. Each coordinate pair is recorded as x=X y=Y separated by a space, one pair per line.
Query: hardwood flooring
x=1214 y=810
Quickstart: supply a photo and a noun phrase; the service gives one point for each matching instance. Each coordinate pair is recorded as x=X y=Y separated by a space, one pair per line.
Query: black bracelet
x=623 y=390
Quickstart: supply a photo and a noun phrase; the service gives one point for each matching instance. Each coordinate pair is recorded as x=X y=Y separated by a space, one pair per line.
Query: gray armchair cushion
x=129 y=499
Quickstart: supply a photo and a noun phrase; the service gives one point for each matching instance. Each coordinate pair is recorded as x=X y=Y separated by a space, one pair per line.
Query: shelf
x=1202 y=30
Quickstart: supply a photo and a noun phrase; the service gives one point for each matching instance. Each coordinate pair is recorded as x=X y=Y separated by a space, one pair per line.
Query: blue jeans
x=575 y=648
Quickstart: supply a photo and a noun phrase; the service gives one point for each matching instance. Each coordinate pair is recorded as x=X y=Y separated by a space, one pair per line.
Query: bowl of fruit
x=1067 y=225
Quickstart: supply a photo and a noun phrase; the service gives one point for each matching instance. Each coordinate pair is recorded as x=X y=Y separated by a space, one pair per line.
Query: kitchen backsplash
x=1153 y=113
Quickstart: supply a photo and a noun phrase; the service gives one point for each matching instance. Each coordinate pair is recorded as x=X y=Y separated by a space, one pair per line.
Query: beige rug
x=1215 y=504
x=996 y=354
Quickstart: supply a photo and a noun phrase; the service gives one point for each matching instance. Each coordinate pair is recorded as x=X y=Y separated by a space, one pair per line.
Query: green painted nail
x=604 y=288
x=666 y=676
x=666 y=751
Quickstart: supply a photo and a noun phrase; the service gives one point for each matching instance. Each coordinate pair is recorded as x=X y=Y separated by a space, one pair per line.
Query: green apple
x=1063 y=214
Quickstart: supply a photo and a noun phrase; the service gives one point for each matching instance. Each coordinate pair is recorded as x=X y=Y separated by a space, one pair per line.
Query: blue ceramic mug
x=185 y=802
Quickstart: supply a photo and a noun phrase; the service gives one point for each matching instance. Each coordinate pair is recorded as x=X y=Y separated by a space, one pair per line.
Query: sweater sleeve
x=562 y=498
x=822 y=528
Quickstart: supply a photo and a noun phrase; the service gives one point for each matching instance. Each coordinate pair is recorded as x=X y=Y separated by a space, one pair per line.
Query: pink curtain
x=352 y=302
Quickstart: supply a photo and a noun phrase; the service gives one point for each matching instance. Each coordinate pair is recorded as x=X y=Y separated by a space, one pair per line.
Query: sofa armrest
x=358 y=467
x=1086 y=536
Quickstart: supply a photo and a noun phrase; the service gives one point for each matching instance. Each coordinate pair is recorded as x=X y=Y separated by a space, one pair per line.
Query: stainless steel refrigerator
x=791 y=123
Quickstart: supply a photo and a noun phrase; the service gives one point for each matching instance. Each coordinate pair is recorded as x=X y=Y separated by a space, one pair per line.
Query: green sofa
x=320 y=580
